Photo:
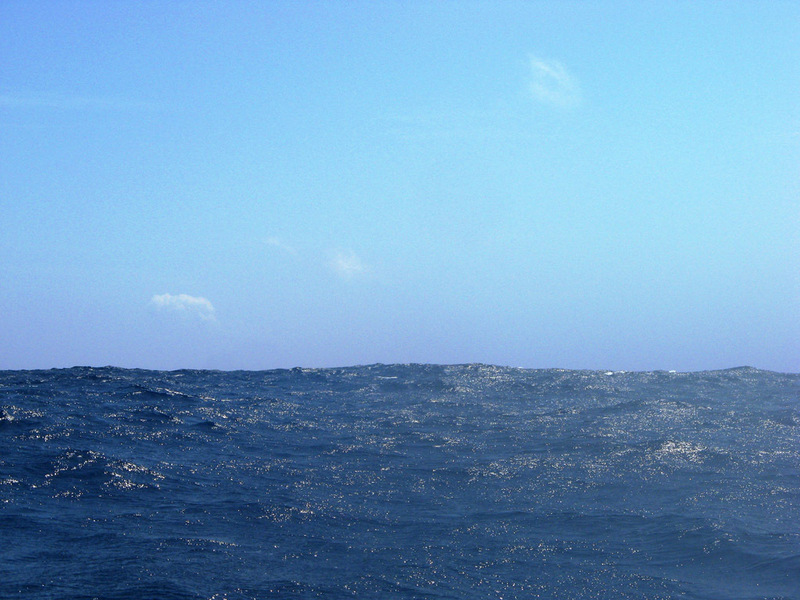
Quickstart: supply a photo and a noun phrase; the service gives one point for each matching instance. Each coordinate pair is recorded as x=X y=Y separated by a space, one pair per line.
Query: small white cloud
x=347 y=265
x=552 y=84
x=193 y=306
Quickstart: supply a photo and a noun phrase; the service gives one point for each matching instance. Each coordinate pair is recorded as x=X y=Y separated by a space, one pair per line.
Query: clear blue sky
x=604 y=185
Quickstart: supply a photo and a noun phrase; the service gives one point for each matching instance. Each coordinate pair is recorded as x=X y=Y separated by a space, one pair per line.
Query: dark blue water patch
x=402 y=481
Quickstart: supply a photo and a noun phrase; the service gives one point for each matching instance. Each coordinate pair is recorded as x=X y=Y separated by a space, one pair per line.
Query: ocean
x=399 y=482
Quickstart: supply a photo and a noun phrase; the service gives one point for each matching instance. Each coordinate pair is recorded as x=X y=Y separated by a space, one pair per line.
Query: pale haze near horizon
x=253 y=185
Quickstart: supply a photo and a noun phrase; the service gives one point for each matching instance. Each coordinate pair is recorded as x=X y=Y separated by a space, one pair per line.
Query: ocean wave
x=405 y=481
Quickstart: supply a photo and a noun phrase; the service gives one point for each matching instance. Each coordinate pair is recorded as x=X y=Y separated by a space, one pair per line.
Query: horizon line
x=409 y=364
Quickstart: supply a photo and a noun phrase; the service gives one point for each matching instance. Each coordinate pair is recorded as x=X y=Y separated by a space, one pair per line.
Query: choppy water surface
x=411 y=481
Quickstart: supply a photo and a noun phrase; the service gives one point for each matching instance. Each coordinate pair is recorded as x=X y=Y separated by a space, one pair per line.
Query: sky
x=257 y=185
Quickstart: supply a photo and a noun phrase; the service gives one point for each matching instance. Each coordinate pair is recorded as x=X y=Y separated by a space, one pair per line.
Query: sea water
x=404 y=481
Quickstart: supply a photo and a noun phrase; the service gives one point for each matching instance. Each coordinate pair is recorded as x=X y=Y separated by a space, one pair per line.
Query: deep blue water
x=413 y=481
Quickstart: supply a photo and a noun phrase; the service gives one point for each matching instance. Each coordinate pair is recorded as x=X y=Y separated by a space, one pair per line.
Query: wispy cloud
x=51 y=101
x=450 y=124
x=279 y=244
x=553 y=85
x=190 y=306
x=347 y=264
